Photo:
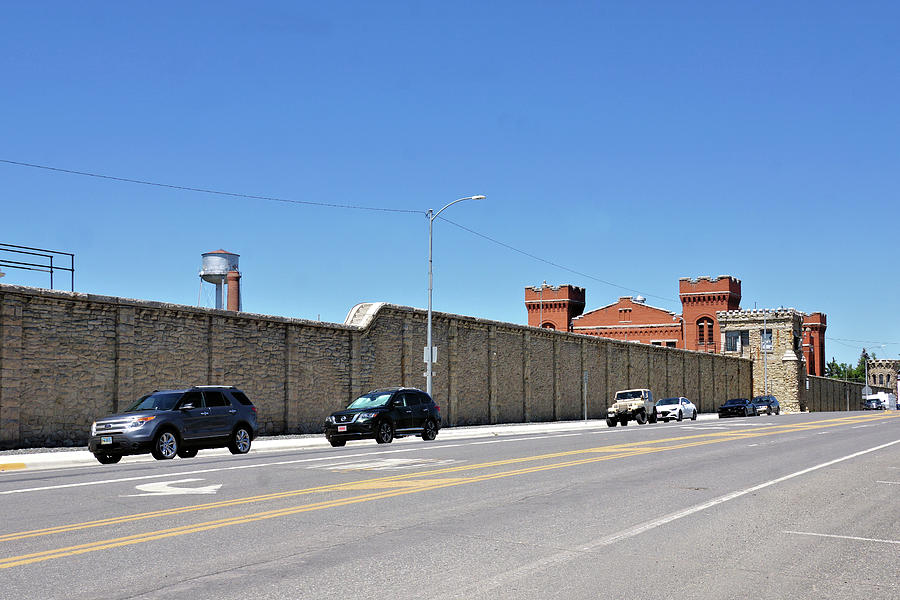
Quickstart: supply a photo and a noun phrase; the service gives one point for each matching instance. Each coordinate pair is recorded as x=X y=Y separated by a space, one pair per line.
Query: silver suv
x=172 y=423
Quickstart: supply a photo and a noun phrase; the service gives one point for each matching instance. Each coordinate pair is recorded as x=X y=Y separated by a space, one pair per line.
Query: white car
x=675 y=408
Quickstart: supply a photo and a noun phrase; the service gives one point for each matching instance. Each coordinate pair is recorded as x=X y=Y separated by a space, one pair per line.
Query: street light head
x=477 y=197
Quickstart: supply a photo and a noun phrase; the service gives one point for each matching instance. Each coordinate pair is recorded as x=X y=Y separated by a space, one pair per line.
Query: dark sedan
x=737 y=407
x=873 y=404
x=767 y=405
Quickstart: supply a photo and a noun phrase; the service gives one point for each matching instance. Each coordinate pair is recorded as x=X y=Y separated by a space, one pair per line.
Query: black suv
x=171 y=423
x=767 y=404
x=384 y=415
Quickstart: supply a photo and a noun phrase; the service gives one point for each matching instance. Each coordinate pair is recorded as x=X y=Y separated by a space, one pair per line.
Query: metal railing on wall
x=45 y=258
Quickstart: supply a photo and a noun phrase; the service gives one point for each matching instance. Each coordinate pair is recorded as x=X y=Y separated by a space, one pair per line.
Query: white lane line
x=564 y=556
x=722 y=499
x=889 y=482
x=219 y=469
x=379 y=452
x=844 y=537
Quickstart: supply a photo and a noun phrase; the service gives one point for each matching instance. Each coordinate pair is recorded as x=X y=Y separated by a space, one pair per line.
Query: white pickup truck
x=630 y=405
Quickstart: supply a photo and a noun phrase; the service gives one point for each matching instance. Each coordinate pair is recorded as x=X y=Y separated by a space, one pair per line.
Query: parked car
x=737 y=407
x=767 y=404
x=630 y=405
x=873 y=404
x=383 y=415
x=170 y=423
x=675 y=408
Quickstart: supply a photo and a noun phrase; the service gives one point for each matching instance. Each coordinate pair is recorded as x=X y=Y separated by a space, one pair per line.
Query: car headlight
x=366 y=416
x=94 y=428
x=140 y=422
x=329 y=419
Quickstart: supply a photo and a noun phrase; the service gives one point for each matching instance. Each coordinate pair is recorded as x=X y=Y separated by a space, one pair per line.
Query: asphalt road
x=789 y=506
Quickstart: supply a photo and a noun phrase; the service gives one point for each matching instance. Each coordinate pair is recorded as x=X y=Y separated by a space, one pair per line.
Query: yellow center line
x=396 y=485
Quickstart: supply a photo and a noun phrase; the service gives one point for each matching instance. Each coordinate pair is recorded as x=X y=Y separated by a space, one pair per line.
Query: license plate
x=106 y=439
x=342 y=428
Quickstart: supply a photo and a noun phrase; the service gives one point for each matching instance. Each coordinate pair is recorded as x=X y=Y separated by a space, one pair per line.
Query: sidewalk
x=41 y=458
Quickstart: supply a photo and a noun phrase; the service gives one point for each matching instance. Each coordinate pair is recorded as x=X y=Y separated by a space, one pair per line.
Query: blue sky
x=617 y=143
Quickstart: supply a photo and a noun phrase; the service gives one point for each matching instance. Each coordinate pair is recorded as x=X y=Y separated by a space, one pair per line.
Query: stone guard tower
x=777 y=365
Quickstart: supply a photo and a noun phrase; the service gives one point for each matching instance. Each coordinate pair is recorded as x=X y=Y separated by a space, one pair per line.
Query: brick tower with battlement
x=553 y=306
x=814 y=343
x=701 y=299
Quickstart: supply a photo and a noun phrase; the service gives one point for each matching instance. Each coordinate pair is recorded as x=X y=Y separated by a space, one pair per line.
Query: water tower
x=219 y=267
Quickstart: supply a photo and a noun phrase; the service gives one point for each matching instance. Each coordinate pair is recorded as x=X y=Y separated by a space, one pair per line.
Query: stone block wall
x=68 y=358
x=826 y=394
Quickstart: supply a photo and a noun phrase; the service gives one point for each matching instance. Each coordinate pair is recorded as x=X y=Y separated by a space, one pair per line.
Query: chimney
x=234 y=290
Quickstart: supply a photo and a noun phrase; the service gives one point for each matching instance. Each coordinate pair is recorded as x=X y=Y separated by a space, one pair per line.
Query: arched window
x=548 y=325
x=881 y=379
x=705 y=331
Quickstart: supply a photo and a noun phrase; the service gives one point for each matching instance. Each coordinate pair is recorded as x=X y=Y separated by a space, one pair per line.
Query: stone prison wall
x=69 y=358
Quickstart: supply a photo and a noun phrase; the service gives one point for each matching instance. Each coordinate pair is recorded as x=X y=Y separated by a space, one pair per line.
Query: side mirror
x=187 y=406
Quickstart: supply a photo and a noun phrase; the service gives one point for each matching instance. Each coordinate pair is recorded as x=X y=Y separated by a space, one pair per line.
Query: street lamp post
x=429 y=351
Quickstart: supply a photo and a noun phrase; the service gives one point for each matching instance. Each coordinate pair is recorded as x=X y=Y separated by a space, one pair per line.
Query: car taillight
x=253 y=408
x=437 y=408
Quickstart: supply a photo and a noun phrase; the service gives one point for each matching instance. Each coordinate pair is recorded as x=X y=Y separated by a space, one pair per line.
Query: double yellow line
x=388 y=487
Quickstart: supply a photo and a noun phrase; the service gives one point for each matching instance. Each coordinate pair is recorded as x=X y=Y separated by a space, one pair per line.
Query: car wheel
x=165 y=445
x=778 y=411
x=187 y=453
x=694 y=415
x=385 y=433
x=337 y=443
x=746 y=412
x=680 y=416
x=641 y=418
x=611 y=422
x=654 y=417
x=623 y=421
x=430 y=431
x=107 y=459
x=240 y=441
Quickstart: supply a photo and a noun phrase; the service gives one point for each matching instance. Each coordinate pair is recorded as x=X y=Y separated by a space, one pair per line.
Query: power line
x=216 y=192
x=553 y=264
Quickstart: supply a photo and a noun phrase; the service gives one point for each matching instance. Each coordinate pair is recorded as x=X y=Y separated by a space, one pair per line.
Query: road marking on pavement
x=609 y=453
x=843 y=537
x=385 y=464
x=168 y=488
x=11 y=466
x=889 y=482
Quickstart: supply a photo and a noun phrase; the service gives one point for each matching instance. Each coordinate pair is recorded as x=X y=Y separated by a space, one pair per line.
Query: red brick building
x=631 y=319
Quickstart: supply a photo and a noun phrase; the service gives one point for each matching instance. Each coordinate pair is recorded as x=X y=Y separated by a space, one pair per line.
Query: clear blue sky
x=632 y=143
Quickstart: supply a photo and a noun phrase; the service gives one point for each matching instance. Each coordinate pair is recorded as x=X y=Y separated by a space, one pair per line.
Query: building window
x=670 y=344
x=624 y=315
x=765 y=339
x=704 y=331
x=735 y=341
x=881 y=379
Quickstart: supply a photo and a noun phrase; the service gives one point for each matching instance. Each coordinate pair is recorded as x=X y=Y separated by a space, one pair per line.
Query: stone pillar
x=216 y=352
x=11 y=384
x=124 y=368
x=291 y=380
x=452 y=371
x=526 y=375
x=493 y=379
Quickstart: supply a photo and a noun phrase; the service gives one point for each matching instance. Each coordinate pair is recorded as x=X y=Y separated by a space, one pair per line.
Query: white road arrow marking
x=167 y=488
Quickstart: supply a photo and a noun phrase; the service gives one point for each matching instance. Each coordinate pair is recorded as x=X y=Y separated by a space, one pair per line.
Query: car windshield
x=760 y=399
x=736 y=401
x=373 y=400
x=668 y=401
x=628 y=395
x=156 y=401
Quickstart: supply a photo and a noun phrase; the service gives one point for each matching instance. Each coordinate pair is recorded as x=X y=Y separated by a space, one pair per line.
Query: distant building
x=696 y=328
x=883 y=373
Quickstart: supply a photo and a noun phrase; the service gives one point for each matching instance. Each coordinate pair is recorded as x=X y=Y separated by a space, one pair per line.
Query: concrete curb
x=38 y=459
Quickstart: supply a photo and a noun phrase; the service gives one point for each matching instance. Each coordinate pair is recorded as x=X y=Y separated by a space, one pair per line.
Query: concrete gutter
x=40 y=458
